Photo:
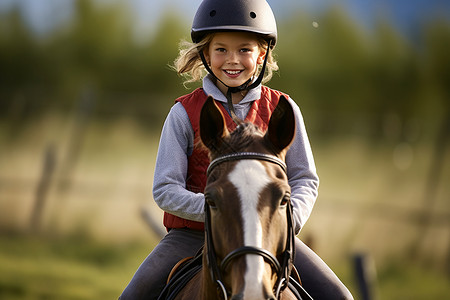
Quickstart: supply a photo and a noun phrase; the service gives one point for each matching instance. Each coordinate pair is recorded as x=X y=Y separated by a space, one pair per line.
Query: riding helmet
x=234 y=15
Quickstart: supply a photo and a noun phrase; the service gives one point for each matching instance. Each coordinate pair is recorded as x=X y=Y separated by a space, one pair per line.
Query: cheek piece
x=235 y=89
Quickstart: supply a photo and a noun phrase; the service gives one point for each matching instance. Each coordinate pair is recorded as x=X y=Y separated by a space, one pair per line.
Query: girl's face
x=233 y=57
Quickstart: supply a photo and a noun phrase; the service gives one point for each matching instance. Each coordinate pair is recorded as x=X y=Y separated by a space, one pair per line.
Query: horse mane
x=239 y=140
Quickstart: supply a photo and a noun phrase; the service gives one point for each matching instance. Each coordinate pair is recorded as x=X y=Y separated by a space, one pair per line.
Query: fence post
x=433 y=181
x=42 y=188
x=365 y=275
x=70 y=159
x=154 y=226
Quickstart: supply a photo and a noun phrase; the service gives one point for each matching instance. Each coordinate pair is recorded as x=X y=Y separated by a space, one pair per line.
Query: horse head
x=248 y=222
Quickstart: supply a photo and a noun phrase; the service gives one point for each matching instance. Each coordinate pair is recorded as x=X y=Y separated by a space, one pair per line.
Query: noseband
x=281 y=268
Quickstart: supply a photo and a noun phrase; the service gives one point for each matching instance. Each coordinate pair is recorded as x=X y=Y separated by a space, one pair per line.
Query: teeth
x=233 y=72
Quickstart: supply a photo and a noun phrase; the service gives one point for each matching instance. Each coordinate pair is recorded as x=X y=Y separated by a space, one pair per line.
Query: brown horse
x=249 y=237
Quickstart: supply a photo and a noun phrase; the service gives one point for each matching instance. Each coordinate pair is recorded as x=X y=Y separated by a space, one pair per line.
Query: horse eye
x=285 y=200
x=210 y=201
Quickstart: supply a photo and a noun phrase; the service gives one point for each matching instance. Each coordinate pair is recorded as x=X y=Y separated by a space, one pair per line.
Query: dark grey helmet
x=234 y=15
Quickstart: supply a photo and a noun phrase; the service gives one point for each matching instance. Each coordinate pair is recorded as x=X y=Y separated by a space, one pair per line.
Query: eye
x=246 y=50
x=221 y=50
x=210 y=201
x=285 y=200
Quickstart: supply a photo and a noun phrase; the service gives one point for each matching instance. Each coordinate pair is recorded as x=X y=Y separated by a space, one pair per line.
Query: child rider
x=233 y=41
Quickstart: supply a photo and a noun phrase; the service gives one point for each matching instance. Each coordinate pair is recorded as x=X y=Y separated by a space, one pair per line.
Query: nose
x=232 y=58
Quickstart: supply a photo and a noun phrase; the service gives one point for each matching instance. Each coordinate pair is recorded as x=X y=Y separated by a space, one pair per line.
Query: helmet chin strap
x=235 y=89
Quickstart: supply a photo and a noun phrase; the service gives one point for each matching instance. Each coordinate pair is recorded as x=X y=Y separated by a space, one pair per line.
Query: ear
x=212 y=125
x=261 y=56
x=281 y=130
x=206 y=55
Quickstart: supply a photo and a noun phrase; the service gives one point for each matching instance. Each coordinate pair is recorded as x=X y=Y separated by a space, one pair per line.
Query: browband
x=246 y=155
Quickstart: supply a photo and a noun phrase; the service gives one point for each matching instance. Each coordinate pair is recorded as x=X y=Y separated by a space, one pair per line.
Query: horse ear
x=281 y=130
x=212 y=124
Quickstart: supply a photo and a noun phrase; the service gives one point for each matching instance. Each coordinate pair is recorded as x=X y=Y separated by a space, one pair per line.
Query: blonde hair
x=189 y=64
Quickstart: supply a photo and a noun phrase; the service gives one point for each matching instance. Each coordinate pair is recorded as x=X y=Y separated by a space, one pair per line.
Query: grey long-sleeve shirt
x=177 y=142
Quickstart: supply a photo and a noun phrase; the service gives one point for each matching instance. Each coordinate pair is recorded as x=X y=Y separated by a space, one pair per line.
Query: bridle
x=282 y=267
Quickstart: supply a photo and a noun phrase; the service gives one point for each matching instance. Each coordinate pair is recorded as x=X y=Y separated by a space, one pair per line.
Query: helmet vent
x=212 y=13
x=253 y=15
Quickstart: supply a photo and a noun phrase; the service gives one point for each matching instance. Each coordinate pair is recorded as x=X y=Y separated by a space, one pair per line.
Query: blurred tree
x=91 y=42
x=325 y=61
x=394 y=76
x=19 y=53
x=437 y=66
x=296 y=56
x=342 y=63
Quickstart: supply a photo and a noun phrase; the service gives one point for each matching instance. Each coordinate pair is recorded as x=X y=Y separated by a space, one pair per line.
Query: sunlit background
x=85 y=87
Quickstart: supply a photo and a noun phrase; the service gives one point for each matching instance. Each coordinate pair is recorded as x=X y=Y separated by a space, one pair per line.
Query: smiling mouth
x=231 y=72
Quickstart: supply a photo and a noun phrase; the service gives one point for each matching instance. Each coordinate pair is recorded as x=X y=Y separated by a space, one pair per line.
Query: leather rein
x=282 y=267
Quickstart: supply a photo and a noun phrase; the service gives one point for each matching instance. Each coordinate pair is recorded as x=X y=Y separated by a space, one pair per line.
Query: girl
x=232 y=40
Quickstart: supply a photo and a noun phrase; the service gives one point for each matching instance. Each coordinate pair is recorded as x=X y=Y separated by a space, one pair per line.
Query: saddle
x=188 y=267
x=180 y=275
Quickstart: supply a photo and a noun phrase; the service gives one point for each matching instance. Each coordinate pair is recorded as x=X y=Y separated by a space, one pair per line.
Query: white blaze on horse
x=249 y=235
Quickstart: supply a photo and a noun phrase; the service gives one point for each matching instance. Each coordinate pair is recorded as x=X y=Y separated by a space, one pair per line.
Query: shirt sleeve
x=169 y=183
x=302 y=174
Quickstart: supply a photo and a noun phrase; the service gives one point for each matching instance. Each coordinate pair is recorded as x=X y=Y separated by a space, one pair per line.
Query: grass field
x=68 y=268
x=78 y=268
x=92 y=237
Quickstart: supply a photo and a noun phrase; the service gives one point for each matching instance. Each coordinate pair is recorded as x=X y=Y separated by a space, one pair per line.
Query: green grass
x=409 y=280
x=78 y=267
x=400 y=279
x=68 y=268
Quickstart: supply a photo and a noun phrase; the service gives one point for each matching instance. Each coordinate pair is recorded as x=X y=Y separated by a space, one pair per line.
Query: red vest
x=259 y=114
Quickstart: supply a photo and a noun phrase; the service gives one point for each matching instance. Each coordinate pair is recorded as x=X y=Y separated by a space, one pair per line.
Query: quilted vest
x=259 y=114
